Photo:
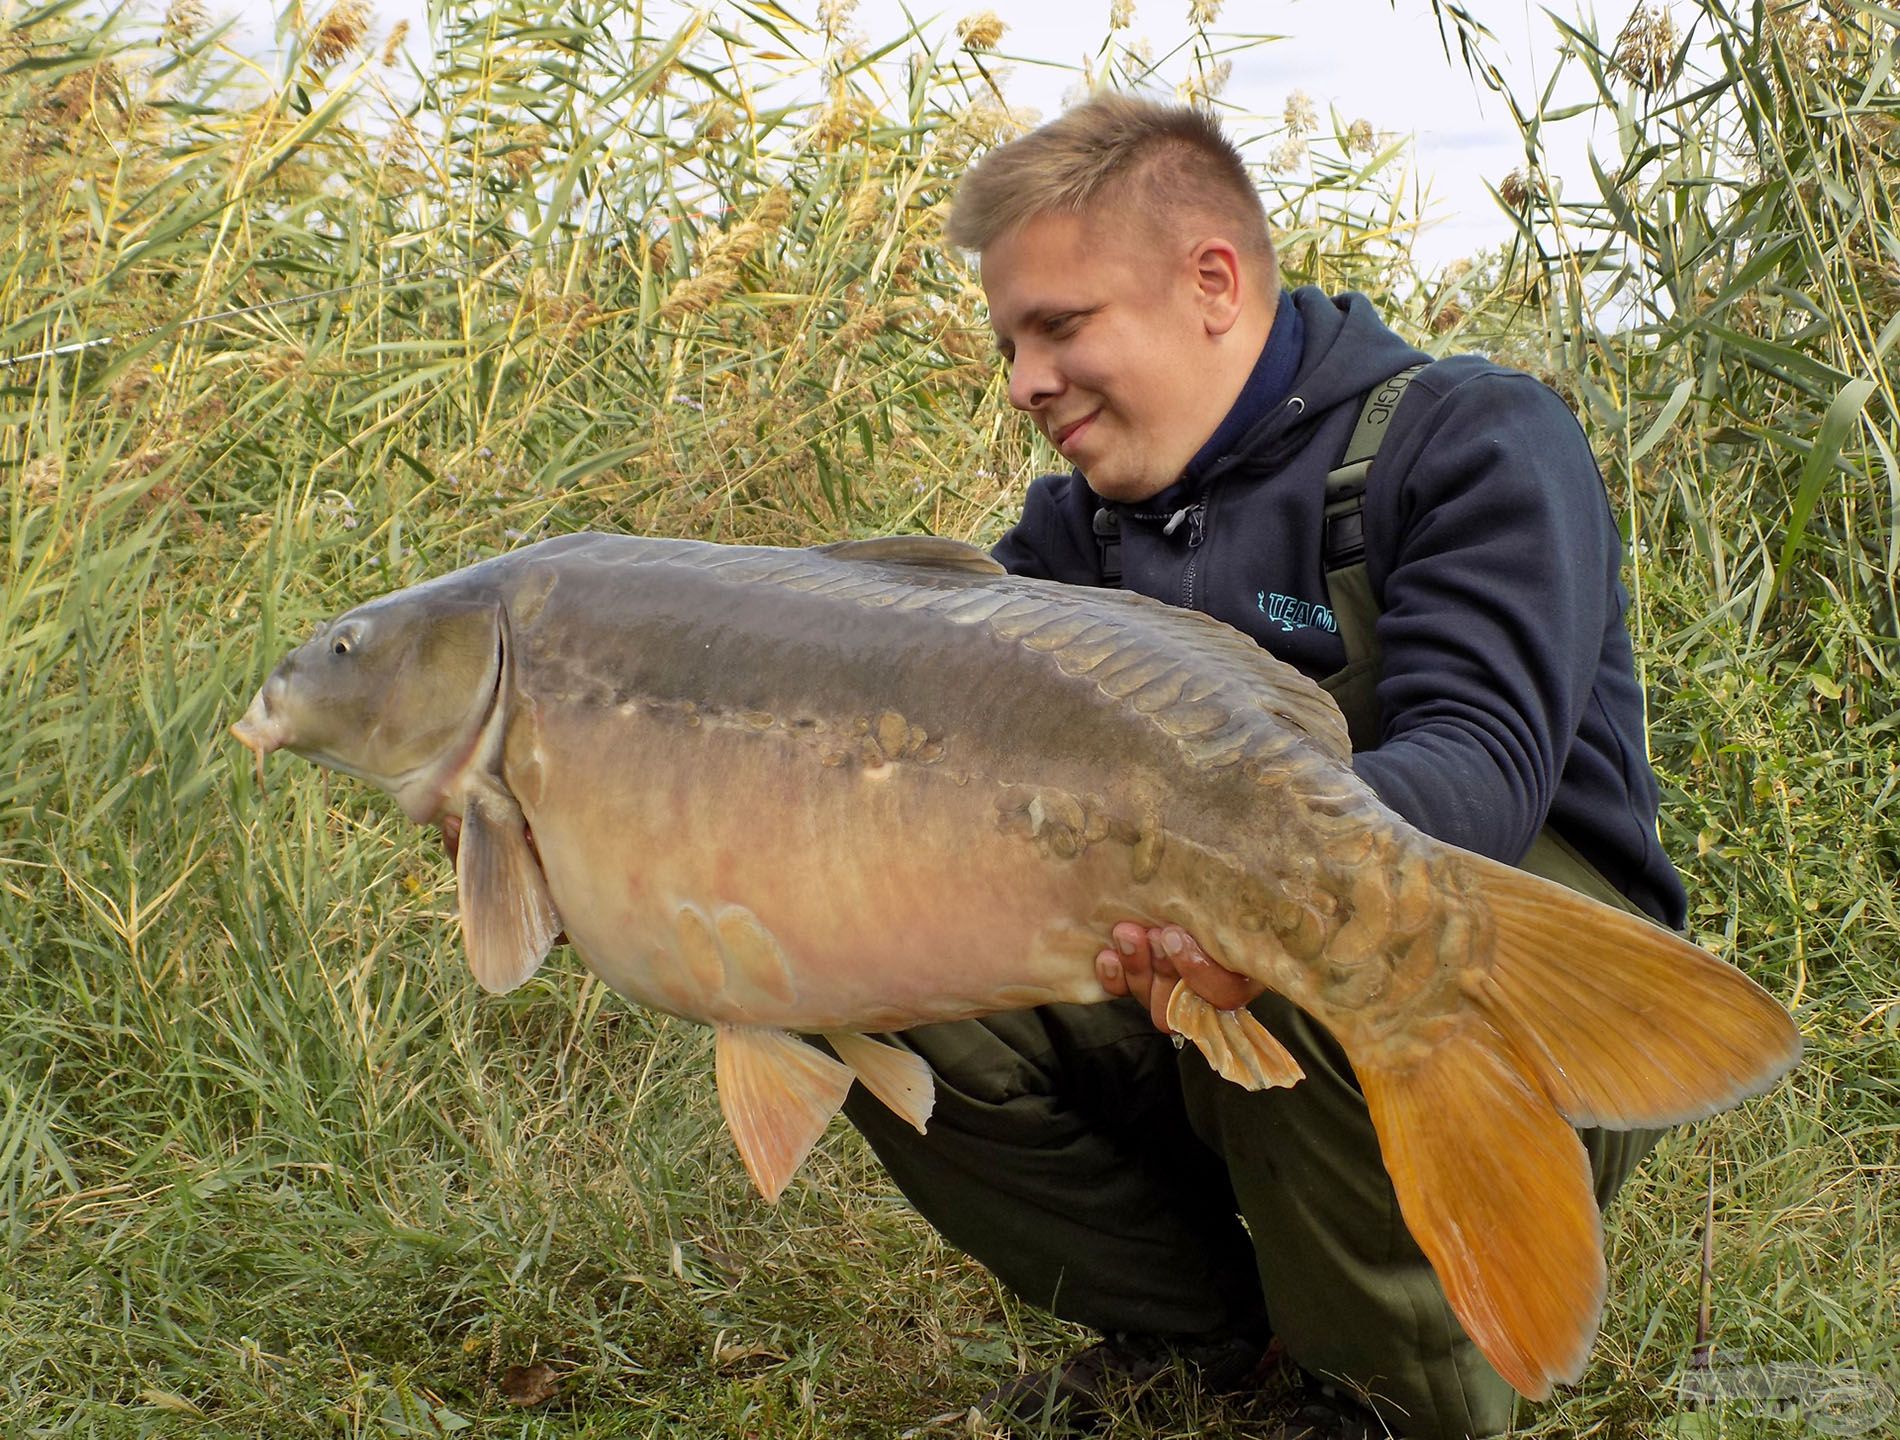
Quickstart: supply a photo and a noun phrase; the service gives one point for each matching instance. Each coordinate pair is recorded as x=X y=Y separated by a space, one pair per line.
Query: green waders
x=1099 y=1173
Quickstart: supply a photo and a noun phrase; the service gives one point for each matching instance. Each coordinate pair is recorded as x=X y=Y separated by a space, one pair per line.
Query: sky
x=1377 y=59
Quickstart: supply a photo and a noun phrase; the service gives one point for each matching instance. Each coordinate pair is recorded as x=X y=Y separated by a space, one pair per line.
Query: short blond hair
x=1163 y=164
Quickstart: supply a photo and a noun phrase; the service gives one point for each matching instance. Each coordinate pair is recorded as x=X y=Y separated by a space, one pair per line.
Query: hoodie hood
x=1349 y=350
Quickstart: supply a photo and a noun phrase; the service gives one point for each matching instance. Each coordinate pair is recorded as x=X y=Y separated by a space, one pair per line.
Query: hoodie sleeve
x=1503 y=577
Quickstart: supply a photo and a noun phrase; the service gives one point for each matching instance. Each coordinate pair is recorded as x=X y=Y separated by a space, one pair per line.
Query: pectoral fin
x=778 y=1094
x=899 y=1078
x=508 y=919
x=1238 y=1046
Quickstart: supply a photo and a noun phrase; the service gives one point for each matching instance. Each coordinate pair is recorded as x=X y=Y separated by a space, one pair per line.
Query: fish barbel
x=878 y=784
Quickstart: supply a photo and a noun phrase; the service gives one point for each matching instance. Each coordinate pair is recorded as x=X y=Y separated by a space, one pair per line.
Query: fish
x=845 y=790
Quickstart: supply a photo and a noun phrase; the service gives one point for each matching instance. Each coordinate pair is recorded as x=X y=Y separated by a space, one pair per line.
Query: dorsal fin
x=1132 y=642
x=929 y=552
x=1290 y=695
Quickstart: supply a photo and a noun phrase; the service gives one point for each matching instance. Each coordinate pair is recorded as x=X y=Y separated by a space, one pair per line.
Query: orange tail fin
x=1584 y=1016
x=1495 y=1188
x=1624 y=1024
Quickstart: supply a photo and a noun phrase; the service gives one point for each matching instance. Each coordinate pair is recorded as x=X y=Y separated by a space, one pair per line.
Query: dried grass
x=343 y=29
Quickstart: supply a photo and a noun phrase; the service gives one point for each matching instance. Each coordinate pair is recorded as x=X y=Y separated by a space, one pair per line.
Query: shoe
x=1072 y=1397
x=1318 y=1411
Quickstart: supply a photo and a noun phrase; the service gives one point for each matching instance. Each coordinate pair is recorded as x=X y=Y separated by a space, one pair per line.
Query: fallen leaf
x=727 y=1357
x=526 y=1385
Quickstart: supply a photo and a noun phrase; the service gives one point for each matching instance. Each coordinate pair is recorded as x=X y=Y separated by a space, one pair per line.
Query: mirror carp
x=851 y=789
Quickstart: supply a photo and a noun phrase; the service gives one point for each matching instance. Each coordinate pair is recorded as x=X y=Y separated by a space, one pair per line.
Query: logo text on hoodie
x=1292 y=614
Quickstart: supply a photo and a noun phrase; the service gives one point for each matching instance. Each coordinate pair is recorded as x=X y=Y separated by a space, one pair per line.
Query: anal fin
x=899 y=1078
x=778 y=1094
x=1238 y=1046
x=508 y=918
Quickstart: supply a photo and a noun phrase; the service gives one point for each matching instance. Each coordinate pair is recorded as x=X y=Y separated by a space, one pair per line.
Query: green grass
x=270 y=1164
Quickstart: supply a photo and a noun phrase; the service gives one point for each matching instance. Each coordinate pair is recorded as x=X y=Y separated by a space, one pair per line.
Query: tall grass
x=268 y=1164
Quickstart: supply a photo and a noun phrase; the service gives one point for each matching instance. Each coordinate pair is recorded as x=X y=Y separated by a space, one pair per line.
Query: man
x=1477 y=644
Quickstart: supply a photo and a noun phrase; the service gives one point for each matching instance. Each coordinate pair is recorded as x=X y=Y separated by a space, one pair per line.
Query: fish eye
x=343 y=639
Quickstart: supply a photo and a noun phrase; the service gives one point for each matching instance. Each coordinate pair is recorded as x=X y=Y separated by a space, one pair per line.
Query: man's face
x=1105 y=327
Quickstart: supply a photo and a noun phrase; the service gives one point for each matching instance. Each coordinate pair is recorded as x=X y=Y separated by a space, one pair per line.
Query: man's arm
x=1502 y=580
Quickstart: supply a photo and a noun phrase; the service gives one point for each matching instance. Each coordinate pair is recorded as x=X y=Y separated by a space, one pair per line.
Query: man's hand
x=1145 y=963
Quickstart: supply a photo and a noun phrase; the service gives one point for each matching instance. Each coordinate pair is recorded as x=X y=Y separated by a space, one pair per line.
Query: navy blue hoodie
x=1508 y=694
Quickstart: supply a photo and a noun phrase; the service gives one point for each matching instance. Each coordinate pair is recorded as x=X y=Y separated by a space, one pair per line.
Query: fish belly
x=738 y=871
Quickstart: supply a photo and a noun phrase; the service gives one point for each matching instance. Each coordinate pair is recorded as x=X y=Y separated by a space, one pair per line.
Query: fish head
x=397 y=692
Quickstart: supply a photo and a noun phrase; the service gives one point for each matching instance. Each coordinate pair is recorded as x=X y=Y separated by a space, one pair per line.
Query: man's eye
x=1058 y=324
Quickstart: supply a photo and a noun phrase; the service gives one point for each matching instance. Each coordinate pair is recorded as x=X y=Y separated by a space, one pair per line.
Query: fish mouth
x=259 y=732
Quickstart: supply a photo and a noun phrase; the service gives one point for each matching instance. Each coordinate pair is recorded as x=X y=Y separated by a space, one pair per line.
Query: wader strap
x=1343 y=551
x=1108 y=540
x=1345 y=538
x=1356 y=611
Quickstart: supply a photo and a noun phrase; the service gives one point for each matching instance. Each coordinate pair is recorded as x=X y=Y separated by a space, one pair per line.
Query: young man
x=1468 y=615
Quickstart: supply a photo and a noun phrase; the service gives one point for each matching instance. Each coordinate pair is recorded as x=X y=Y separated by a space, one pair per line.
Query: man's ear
x=1220 y=283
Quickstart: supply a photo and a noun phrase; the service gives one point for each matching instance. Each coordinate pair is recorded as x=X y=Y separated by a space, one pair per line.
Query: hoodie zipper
x=1196 y=517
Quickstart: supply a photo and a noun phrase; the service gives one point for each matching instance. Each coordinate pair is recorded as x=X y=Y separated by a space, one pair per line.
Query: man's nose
x=1033 y=381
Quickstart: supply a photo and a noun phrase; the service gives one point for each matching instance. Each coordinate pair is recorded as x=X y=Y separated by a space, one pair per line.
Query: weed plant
x=270 y=1164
